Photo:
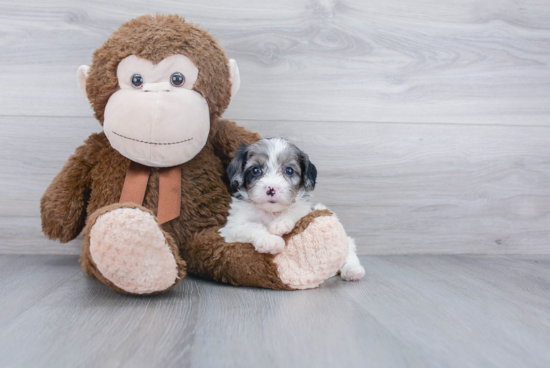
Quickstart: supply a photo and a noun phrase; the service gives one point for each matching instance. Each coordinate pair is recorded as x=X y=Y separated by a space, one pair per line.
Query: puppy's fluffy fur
x=271 y=182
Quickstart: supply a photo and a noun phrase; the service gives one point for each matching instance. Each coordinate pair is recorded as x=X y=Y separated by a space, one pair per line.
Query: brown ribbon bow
x=135 y=185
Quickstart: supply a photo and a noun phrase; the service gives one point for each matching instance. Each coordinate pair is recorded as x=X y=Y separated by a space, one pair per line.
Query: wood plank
x=413 y=311
x=475 y=61
x=435 y=189
x=462 y=311
x=198 y=324
x=318 y=328
x=31 y=153
x=83 y=323
x=25 y=280
x=398 y=188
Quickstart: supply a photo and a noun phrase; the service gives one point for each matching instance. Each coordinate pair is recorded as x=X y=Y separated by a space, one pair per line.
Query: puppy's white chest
x=267 y=218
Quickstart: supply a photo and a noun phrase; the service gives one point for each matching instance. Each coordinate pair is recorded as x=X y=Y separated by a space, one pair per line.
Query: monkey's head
x=155 y=85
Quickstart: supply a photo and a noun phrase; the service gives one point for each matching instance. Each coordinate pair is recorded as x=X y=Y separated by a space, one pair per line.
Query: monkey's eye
x=256 y=171
x=289 y=171
x=137 y=81
x=177 y=79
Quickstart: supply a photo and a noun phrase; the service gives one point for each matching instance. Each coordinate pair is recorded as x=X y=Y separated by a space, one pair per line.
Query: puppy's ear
x=235 y=170
x=309 y=172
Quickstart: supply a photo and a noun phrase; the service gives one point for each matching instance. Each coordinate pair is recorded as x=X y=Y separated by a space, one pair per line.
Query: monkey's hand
x=63 y=205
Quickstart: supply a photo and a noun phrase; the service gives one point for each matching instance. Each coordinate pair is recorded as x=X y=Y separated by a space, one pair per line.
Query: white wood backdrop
x=429 y=120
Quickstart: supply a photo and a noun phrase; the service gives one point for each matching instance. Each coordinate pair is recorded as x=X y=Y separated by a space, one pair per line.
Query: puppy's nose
x=270 y=191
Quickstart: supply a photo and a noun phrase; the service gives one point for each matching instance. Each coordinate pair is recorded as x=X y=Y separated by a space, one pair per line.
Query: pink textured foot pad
x=130 y=250
x=314 y=255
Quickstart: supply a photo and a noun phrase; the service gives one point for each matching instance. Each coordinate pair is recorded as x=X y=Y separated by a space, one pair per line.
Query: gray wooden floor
x=409 y=311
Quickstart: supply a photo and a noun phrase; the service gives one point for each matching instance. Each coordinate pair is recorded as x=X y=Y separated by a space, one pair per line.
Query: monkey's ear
x=81 y=75
x=234 y=77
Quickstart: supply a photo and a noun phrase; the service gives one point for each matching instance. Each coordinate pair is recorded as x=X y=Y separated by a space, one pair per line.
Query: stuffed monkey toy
x=151 y=191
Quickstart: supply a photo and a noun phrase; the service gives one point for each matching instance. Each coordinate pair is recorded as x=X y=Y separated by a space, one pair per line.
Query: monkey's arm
x=63 y=205
x=227 y=137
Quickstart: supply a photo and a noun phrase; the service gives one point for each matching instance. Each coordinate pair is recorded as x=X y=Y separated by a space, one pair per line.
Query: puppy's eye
x=256 y=171
x=137 y=81
x=289 y=171
x=177 y=79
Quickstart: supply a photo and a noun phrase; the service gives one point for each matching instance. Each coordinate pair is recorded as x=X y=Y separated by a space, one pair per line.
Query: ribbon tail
x=169 y=194
x=135 y=183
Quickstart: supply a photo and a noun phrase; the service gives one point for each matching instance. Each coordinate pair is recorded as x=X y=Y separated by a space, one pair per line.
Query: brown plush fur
x=303 y=223
x=91 y=181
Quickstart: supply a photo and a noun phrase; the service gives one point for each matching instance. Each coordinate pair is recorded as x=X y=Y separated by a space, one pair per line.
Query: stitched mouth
x=157 y=144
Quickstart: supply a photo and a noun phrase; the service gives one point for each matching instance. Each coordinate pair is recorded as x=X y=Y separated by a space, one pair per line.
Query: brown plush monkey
x=151 y=190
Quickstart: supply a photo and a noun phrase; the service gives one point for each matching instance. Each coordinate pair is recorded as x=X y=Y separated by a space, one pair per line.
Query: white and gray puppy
x=271 y=183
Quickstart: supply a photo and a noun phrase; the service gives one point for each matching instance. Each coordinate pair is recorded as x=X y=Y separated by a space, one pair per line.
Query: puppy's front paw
x=281 y=227
x=268 y=243
x=352 y=272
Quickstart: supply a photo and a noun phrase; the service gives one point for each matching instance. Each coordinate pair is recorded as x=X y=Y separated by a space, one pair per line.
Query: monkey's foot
x=315 y=250
x=130 y=252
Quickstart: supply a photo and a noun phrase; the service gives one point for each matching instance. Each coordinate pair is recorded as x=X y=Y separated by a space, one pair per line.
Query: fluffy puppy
x=271 y=182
